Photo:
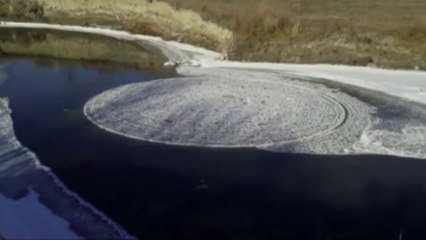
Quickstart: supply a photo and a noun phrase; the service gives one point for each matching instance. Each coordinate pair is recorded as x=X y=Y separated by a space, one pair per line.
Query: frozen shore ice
x=38 y=201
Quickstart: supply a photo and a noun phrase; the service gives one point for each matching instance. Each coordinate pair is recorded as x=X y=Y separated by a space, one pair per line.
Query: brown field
x=384 y=33
x=139 y=16
x=387 y=33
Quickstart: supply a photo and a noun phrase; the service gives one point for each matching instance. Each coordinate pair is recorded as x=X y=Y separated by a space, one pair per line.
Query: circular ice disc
x=208 y=111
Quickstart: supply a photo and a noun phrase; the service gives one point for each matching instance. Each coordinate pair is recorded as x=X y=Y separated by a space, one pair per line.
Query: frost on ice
x=274 y=111
x=232 y=108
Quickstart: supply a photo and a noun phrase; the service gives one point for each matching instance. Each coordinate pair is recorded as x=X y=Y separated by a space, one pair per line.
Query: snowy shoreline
x=410 y=85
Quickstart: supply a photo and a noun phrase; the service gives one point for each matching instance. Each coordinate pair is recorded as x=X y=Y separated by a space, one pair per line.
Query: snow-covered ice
x=410 y=141
x=269 y=110
x=233 y=108
x=410 y=85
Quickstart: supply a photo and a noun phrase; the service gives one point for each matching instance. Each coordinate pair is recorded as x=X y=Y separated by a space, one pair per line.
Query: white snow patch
x=410 y=141
x=410 y=85
x=27 y=218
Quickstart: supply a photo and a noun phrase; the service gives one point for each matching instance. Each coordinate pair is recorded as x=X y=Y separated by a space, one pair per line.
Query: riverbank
x=90 y=48
x=136 y=16
x=388 y=35
x=304 y=32
x=381 y=80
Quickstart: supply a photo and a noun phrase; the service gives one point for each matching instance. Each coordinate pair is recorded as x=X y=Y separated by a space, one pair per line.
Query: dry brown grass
x=139 y=16
x=389 y=33
x=96 y=49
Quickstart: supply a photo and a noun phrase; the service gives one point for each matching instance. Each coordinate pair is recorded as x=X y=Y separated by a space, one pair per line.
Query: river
x=160 y=191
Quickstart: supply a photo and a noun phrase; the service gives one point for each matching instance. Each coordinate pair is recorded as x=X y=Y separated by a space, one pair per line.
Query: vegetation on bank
x=137 y=16
x=93 y=49
x=386 y=33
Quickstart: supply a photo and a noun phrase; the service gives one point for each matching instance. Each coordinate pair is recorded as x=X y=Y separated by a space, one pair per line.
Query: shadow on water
x=165 y=192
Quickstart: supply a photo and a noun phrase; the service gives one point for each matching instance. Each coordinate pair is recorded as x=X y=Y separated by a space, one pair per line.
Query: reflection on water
x=95 y=50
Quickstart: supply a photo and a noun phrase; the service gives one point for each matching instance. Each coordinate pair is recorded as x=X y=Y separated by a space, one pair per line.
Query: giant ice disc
x=211 y=111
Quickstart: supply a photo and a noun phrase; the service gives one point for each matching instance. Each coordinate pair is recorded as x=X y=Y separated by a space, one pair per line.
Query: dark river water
x=164 y=192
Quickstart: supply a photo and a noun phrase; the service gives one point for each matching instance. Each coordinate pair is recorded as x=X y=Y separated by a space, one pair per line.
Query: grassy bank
x=388 y=33
x=94 y=49
x=137 y=16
